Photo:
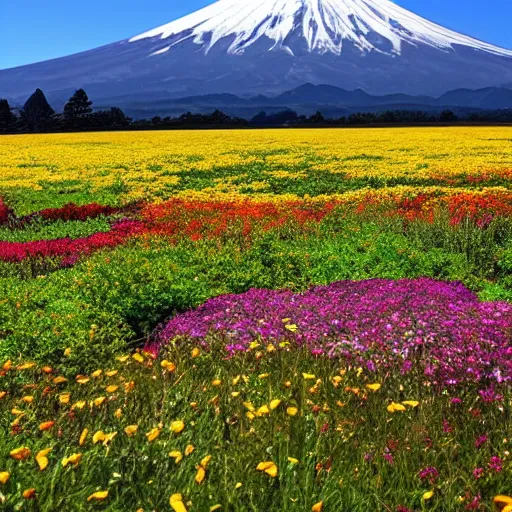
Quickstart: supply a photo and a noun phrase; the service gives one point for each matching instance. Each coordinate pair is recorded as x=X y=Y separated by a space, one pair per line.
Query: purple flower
x=478 y=473
x=496 y=464
x=481 y=441
x=429 y=473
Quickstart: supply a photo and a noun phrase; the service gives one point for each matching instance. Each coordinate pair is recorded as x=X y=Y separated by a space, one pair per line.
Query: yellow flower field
x=265 y=163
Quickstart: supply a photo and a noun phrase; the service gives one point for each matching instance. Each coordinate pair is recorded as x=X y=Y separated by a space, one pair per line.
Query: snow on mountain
x=324 y=24
x=252 y=47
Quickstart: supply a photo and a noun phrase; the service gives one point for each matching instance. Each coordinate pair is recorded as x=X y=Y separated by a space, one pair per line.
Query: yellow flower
x=4 y=477
x=248 y=405
x=112 y=389
x=98 y=496
x=167 y=365
x=98 y=401
x=411 y=403
x=46 y=425
x=123 y=359
x=292 y=411
x=176 y=455
x=21 y=453
x=59 y=380
x=29 y=494
x=111 y=373
x=177 y=426
x=291 y=327
x=25 y=366
x=64 y=398
x=394 y=407
x=317 y=507
x=98 y=437
x=268 y=467
x=263 y=375
x=250 y=415
x=238 y=485
x=16 y=411
x=200 y=475
x=131 y=430
x=79 y=405
x=189 y=449
x=274 y=404
x=82 y=380
x=27 y=399
x=83 y=436
x=153 y=434
x=108 y=438
x=271 y=348
x=129 y=386
x=374 y=387
x=216 y=382
x=67 y=352
x=42 y=459
x=205 y=461
x=215 y=507
x=308 y=376
x=96 y=374
x=293 y=460
x=72 y=459
x=427 y=495
x=176 y=502
x=263 y=410
x=508 y=508
x=7 y=366
x=3 y=394
x=503 y=500
x=118 y=413
x=138 y=357
x=235 y=394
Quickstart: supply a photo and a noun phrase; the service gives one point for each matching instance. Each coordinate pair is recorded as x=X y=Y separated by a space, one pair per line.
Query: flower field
x=274 y=320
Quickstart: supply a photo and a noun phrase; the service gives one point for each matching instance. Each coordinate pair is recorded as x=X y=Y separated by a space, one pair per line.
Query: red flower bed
x=6 y=214
x=68 y=248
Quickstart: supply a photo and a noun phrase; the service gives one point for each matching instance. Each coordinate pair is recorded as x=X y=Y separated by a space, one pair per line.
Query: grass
x=343 y=447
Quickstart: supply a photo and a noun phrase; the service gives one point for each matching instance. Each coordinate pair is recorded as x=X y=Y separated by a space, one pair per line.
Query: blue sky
x=34 y=30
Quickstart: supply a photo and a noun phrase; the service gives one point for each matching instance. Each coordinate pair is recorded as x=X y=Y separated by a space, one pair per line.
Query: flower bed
x=377 y=322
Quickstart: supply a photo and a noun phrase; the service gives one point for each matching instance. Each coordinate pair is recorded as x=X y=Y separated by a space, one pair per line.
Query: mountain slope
x=249 y=47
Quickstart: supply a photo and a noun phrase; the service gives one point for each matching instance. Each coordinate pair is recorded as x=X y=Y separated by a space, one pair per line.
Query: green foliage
x=339 y=437
x=128 y=291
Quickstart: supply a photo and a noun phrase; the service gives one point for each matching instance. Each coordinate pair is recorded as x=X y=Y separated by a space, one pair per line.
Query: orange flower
x=3 y=394
x=29 y=494
x=46 y=425
x=21 y=453
x=195 y=352
x=7 y=366
x=98 y=401
x=167 y=365
x=112 y=389
x=4 y=477
x=27 y=399
x=189 y=449
x=25 y=366
x=98 y=496
x=317 y=507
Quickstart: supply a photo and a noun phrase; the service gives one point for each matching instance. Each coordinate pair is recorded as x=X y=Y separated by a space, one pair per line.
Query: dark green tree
x=78 y=108
x=7 y=118
x=37 y=114
x=447 y=116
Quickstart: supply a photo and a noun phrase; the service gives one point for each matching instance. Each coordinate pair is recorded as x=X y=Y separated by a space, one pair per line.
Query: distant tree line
x=38 y=116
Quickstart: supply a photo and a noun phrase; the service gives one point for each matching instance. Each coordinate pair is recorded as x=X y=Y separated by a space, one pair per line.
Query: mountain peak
x=324 y=25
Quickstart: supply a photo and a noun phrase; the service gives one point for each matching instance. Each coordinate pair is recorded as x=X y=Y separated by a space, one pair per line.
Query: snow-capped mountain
x=252 y=47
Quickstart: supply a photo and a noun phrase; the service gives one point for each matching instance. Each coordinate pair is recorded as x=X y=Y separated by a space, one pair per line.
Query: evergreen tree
x=37 y=114
x=7 y=118
x=78 y=108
